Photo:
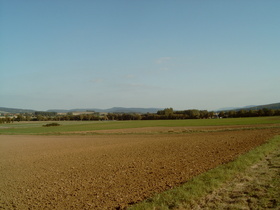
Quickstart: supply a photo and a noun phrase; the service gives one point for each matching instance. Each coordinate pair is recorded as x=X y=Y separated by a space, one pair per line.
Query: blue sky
x=150 y=53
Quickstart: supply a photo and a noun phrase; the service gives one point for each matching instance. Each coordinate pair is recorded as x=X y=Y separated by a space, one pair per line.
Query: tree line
x=165 y=114
x=249 y=113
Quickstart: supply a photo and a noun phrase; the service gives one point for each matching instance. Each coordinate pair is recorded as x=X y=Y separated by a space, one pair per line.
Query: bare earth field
x=162 y=130
x=110 y=171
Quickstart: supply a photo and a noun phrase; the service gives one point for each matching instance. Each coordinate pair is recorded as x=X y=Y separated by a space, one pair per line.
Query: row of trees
x=166 y=114
x=250 y=113
x=6 y=120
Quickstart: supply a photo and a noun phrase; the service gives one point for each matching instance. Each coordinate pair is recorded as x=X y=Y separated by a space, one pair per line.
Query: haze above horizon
x=180 y=54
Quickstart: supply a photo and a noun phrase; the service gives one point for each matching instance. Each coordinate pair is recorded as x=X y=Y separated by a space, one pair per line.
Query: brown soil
x=110 y=171
x=186 y=129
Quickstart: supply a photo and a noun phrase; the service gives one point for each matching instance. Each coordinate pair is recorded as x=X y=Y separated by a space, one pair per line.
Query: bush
x=51 y=124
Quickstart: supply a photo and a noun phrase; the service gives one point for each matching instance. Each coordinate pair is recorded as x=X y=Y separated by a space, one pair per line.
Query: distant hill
x=132 y=110
x=14 y=110
x=252 y=107
x=111 y=110
x=267 y=106
x=235 y=108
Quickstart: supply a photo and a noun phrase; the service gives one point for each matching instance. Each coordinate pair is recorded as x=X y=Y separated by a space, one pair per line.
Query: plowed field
x=109 y=171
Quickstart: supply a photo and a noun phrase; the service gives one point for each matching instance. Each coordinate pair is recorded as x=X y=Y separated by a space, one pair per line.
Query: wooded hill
x=111 y=110
x=15 y=111
x=268 y=106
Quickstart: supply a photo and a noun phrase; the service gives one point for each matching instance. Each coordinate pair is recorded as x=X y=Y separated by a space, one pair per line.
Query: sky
x=184 y=54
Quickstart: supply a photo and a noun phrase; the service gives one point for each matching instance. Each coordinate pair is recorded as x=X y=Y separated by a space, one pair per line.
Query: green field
x=73 y=126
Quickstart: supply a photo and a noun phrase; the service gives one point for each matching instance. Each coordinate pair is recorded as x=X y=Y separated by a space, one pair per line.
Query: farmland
x=91 y=127
x=99 y=165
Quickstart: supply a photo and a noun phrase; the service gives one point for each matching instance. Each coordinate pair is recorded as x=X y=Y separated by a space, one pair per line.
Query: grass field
x=70 y=126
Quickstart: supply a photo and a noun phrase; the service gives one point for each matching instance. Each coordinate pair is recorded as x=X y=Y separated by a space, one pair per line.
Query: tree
x=261 y=113
x=40 y=118
x=8 y=119
x=27 y=117
x=20 y=117
x=232 y=113
x=167 y=112
x=204 y=114
x=241 y=113
x=211 y=114
x=194 y=114
x=270 y=112
x=222 y=114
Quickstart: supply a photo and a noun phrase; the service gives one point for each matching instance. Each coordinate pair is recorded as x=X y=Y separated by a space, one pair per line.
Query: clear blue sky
x=139 y=53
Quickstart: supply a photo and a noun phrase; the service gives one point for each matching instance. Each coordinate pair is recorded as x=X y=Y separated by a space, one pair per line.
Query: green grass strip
x=205 y=183
x=76 y=126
